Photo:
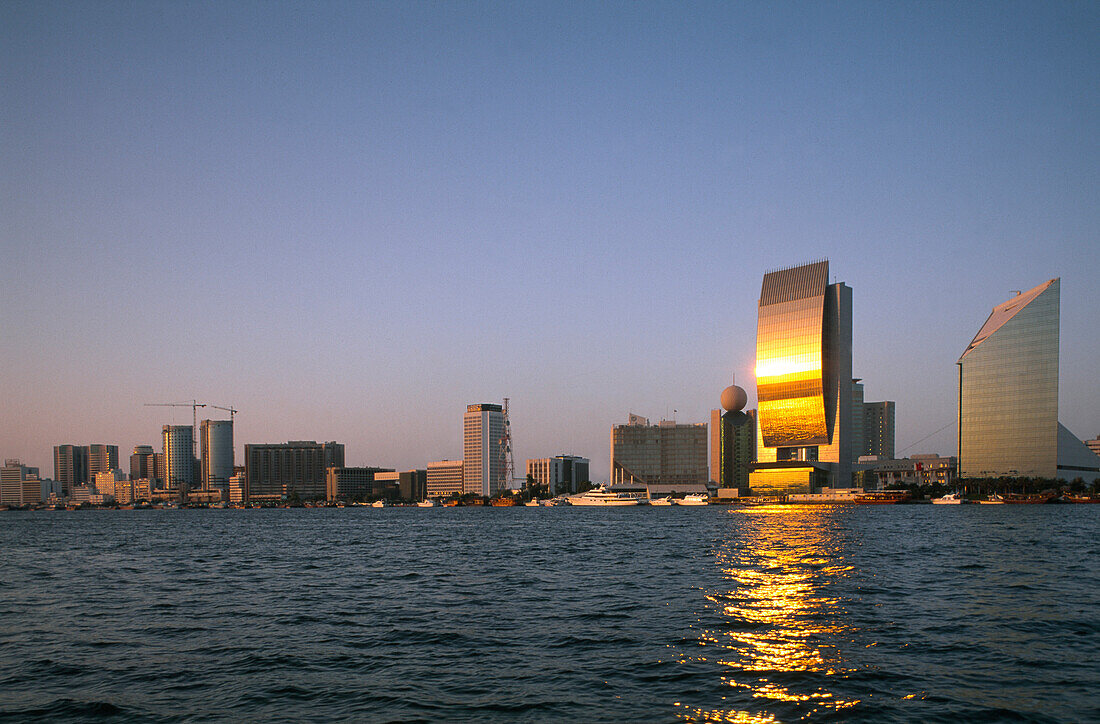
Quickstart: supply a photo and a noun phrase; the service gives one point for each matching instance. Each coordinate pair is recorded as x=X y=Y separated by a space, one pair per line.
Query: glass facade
x=1008 y=390
x=790 y=346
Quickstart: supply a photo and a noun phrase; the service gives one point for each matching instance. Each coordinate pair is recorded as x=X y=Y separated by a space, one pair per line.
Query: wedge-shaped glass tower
x=1008 y=390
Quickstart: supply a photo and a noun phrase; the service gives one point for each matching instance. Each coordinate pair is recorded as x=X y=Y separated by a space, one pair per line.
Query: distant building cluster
x=812 y=429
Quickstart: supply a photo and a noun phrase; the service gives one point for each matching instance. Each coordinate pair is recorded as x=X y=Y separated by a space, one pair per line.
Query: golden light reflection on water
x=778 y=617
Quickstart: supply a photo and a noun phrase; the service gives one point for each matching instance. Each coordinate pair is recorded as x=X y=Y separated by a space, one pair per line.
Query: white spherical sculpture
x=734 y=399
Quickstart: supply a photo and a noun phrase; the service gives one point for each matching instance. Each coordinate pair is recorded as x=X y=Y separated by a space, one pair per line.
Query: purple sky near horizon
x=349 y=220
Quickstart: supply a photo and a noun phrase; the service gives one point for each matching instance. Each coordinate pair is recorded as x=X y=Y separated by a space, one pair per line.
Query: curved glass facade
x=790 y=374
x=1008 y=390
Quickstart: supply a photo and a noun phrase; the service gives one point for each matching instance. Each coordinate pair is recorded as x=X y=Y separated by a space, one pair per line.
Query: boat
x=428 y=504
x=950 y=499
x=992 y=500
x=380 y=504
x=661 y=501
x=502 y=502
x=1019 y=499
x=531 y=504
x=694 y=499
x=883 y=497
x=1069 y=498
x=601 y=496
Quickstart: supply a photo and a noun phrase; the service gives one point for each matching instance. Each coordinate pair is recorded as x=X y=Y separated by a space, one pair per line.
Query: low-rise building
x=344 y=483
x=408 y=485
x=19 y=484
x=559 y=475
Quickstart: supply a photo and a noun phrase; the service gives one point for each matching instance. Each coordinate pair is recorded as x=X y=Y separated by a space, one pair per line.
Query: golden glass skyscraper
x=803 y=381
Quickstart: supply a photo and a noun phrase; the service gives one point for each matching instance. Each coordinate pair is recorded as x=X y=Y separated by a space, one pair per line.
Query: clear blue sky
x=349 y=220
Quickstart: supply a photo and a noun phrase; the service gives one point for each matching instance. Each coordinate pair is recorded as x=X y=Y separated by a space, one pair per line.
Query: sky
x=350 y=220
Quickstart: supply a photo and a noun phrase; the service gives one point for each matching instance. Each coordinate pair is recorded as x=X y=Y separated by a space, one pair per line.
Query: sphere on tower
x=734 y=399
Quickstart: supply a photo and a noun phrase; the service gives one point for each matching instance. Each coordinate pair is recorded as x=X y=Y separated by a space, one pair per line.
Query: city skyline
x=348 y=225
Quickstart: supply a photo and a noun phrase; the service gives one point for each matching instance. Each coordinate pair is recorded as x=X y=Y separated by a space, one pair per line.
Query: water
x=779 y=614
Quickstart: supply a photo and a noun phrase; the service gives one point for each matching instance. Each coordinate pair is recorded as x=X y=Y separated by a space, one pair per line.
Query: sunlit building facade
x=1008 y=395
x=444 y=478
x=483 y=449
x=560 y=474
x=804 y=382
x=732 y=448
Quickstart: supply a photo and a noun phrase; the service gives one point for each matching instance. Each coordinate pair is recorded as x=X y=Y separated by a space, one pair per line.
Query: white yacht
x=380 y=504
x=602 y=496
x=428 y=504
x=694 y=499
x=950 y=499
x=661 y=501
x=531 y=504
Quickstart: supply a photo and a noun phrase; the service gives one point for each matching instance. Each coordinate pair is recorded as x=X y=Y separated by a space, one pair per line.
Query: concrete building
x=216 y=453
x=483 y=449
x=444 y=478
x=107 y=480
x=878 y=429
x=101 y=458
x=1094 y=445
x=70 y=466
x=143 y=463
x=560 y=474
x=353 y=484
x=276 y=471
x=732 y=448
x=409 y=485
x=238 y=488
x=179 y=457
x=141 y=489
x=1008 y=395
x=915 y=470
x=19 y=484
x=804 y=383
x=666 y=457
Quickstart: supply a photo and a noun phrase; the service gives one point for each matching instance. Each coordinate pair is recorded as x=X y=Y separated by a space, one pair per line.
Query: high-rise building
x=101 y=458
x=732 y=447
x=666 y=457
x=19 y=484
x=444 y=478
x=216 y=453
x=803 y=382
x=559 y=475
x=143 y=463
x=483 y=449
x=179 y=457
x=70 y=466
x=878 y=429
x=1008 y=395
x=297 y=467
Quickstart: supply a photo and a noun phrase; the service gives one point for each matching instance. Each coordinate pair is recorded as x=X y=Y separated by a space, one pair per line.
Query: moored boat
x=883 y=497
x=950 y=499
x=1069 y=498
x=694 y=499
x=1019 y=499
x=992 y=500
x=601 y=496
x=428 y=504
x=661 y=501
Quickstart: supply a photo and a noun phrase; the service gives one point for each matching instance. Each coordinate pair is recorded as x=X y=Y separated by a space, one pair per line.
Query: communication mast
x=506 y=452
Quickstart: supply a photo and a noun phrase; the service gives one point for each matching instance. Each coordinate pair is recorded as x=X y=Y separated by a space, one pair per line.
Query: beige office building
x=444 y=478
x=483 y=449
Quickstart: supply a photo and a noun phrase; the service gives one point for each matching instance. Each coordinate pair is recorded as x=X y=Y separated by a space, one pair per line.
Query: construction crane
x=194 y=416
x=229 y=409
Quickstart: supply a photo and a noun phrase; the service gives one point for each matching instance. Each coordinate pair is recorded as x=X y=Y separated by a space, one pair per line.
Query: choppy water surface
x=781 y=614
